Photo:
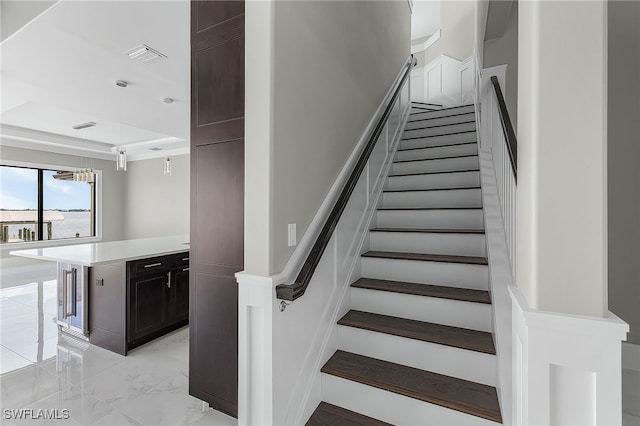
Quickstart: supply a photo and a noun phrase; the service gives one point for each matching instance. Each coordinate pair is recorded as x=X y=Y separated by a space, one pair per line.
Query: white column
x=566 y=344
x=562 y=156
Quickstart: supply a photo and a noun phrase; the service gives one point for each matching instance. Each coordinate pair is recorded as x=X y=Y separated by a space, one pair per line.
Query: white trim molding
x=567 y=368
x=427 y=43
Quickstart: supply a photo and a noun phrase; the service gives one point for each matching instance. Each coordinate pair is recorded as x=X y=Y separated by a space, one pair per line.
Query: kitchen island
x=121 y=294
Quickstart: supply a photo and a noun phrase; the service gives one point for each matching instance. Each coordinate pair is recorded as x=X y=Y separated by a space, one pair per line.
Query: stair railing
x=291 y=292
x=504 y=148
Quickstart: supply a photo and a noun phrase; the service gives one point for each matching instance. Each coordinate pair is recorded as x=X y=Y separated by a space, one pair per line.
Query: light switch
x=292 y=234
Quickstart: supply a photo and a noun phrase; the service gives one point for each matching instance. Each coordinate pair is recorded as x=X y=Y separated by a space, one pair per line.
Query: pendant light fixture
x=121 y=153
x=83 y=174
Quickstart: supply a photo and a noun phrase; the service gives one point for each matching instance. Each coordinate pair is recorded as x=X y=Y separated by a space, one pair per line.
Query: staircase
x=416 y=347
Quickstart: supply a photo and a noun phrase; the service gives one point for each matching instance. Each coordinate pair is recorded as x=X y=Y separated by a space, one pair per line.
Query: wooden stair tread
x=434 y=118
x=434 y=173
x=475 y=260
x=457 y=394
x=331 y=415
x=430 y=230
x=432 y=189
x=438 y=135
x=441 y=125
x=463 y=338
x=436 y=158
x=437 y=146
x=455 y=107
x=429 y=208
x=429 y=290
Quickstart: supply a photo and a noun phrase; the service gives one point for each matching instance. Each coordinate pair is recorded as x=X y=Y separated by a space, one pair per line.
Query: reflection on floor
x=42 y=370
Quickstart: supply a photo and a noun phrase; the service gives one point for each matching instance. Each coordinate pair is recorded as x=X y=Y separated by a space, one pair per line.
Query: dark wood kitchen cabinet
x=217 y=200
x=156 y=296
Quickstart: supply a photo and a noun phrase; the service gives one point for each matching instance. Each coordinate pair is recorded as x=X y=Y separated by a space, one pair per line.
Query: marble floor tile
x=116 y=418
x=10 y=360
x=80 y=407
x=28 y=385
x=163 y=409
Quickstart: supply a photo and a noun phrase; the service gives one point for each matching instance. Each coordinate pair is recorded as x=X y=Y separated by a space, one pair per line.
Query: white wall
x=458 y=20
x=319 y=105
x=155 y=204
x=113 y=184
x=624 y=163
x=504 y=50
x=561 y=249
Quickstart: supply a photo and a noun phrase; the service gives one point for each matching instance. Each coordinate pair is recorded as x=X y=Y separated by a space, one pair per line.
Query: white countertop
x=92 y=254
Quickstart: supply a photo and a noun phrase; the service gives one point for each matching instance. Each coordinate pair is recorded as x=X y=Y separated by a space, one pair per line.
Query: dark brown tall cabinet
x=217 y=199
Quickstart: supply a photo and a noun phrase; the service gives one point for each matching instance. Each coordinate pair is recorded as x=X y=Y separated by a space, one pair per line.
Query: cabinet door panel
x=179 y=305
x=148 y=305
x=214 y=341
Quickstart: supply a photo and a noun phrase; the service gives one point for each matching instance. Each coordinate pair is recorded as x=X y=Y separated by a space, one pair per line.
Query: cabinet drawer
x=180 y=260
x=148 y=266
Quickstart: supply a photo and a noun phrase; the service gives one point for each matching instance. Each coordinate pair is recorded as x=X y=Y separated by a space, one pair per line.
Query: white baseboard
x=630 y=356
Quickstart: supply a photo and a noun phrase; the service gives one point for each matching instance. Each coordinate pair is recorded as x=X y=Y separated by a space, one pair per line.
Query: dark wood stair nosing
x=461 y=395
x=431 y=230
x=434 y=159
x=426 y=103
x=437 y=146
x=435 y=118
x=434 y=173
x=439 y=125
x=439 y=135
x=425 y=290
x=428 y=208
x=428 y=332
x=425 y=257
x=455 y=107
x=333 y=415
x=434 y=189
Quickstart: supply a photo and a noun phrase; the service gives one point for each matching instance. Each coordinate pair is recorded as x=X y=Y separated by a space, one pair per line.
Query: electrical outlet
x=291 y=234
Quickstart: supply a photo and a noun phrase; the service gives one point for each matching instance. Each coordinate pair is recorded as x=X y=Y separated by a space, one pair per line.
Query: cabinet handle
x=185 y=269
x=64 y=293
x=151 y=265
x=169 y=279
x=184 y=259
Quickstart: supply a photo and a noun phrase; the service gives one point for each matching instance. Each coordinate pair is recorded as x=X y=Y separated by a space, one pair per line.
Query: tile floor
x=42 y=370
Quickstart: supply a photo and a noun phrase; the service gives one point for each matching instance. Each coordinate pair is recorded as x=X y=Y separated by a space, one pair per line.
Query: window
x=44 y=204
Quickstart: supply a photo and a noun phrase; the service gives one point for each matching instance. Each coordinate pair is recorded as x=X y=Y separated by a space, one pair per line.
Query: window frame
x=62 y=241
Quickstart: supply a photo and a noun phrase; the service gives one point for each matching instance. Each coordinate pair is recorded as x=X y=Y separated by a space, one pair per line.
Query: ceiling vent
x=146 y=54
x=84 y=125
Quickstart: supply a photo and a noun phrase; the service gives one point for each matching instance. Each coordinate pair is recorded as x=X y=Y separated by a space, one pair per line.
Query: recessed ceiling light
x=146 y=54
x=168 y=100
x=84 y=125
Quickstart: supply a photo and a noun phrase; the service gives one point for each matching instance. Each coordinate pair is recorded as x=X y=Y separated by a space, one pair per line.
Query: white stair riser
x=430 y=130
x=425 y=108
x=434 y=181
x=414 y=123
x=438 y=140
x=456 y=313
x=449 y=274
x=442 y=113
x=442 y=359
x=391 y=407
x=436 y=219
x=438 y=152
x=433 y=243
x=433 y=198
x=441 y=165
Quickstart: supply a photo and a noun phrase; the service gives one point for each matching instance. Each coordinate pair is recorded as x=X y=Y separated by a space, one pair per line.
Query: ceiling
x=425 y=19
x=60 y=69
